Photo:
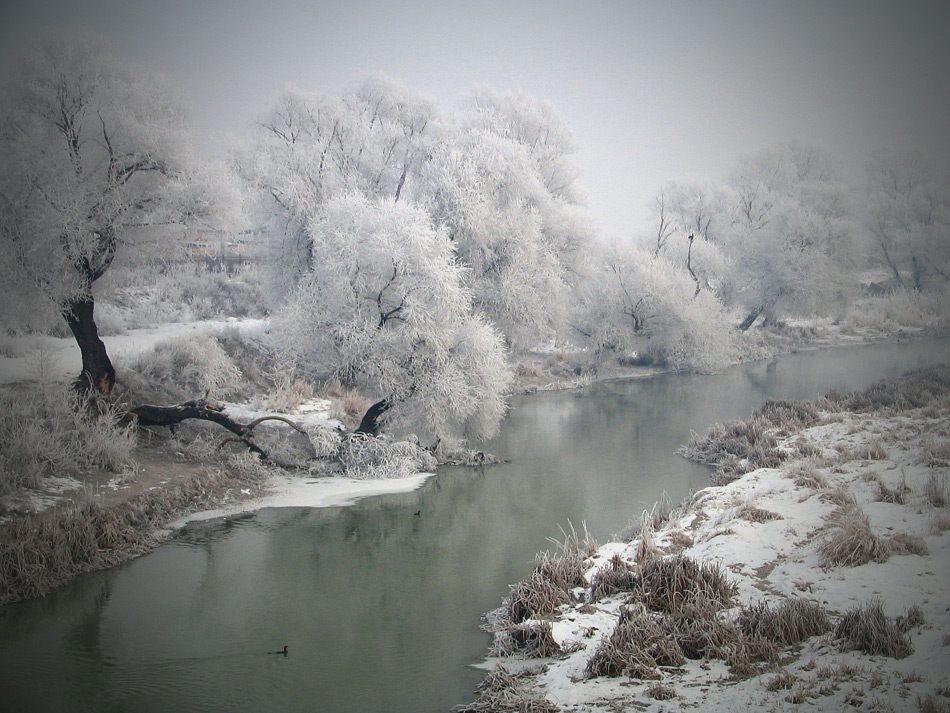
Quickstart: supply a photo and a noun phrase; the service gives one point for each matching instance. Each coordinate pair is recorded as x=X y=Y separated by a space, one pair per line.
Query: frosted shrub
x=49 y=430
x=368 y=457
x=900 y=309
x=184 y=368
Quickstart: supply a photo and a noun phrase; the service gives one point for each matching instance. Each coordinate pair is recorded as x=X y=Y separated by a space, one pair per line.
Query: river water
x=379 y=602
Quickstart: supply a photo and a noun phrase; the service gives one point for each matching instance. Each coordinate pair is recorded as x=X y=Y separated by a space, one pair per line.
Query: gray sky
x=652 y=91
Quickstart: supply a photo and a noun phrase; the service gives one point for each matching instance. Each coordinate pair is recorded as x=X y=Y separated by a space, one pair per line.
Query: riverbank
x=38 y=536
x=813 y=575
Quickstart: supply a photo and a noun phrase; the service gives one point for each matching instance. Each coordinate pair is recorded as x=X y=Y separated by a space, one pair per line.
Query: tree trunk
x=370 y=421
x=97 y=370
x=751 y=317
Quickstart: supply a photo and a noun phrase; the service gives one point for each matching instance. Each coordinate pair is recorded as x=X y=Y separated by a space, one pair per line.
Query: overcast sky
x=652 y=91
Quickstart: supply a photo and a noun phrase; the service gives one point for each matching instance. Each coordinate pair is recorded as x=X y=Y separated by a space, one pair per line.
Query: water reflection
x=380 y=607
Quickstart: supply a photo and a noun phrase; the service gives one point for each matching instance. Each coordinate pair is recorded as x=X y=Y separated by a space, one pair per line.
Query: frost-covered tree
x=694 y=219
x=371 y=139
x=498 y=177
x=384 y=307
x=794 y=238
x=89 y=148
x=908 y=215
x=503 y=183
x=635 y=302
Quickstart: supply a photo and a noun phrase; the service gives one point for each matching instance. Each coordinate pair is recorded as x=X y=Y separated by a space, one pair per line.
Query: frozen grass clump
x=550 y=583
x=671 y=583
x=915 y=389
x=365 y=457
x=790 y=622
x=636 y=648
x=182 y=368
x=867 y=628
x=532 y=639
x=937 y=490
x=615 y=576
x=503 y=692
x=49 y=429
x=850 y=542
x=736 y=448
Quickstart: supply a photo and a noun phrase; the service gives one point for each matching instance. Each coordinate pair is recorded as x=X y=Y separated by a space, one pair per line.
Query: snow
x=778 y=558
x=62 y=353
x=286 y=491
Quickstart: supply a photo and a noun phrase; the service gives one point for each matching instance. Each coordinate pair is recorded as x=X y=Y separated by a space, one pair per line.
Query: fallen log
x=171 y=416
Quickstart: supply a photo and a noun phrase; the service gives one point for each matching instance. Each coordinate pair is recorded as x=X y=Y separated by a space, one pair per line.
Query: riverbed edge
x=765 y=528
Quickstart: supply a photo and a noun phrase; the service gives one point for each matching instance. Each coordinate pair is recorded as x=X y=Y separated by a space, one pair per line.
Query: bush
x=182 y=368
x=381 y=457
x=850 y=541
x=49 y=429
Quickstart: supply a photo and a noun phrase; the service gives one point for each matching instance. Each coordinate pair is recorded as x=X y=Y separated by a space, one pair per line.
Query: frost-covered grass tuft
x=637 y=646
x=615 y=576
x=850 y=541
x=937 y=490
x=867 y=628
x=790 y=622
x=503 y=692
x=671 y=583
x=48 y=429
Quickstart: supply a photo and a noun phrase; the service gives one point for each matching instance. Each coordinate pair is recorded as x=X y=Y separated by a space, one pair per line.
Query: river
x=379 y=602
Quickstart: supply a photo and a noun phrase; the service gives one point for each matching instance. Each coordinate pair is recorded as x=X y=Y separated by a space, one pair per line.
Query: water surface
x=379 y=606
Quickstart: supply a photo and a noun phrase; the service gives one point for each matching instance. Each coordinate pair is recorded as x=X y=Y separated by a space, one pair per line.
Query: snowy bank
x=819 y=582
x=62 y=357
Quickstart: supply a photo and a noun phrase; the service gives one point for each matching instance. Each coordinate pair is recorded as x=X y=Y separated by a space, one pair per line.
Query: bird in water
x=284 y=652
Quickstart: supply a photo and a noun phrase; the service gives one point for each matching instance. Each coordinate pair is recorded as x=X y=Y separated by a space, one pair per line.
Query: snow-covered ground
x=61 y=355
x=767 y=530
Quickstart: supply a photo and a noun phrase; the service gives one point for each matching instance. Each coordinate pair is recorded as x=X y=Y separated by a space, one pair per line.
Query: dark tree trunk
x=97 y=370
x=751 y=317
x=369 y=425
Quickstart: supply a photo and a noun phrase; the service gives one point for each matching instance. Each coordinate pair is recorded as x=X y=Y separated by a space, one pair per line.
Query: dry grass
x=550 y=583
x=636 y=648
x=874 y=450
x=503 y=692
x=615 y=576
x=935 y=452
x=896 y=495
x=660 y=692
x=673 y=582
x=750 y=512
x=805 y=474
x=791 y=622
x=915 y=389
x=781 y=682
x=850 y=541
x=533 y=639
x=866 y=628
x=39 y=552
x=48 y=429
x=931 y=704
x=937 y=490
x=913 y=617
x=736 y=448
x=348 y=407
